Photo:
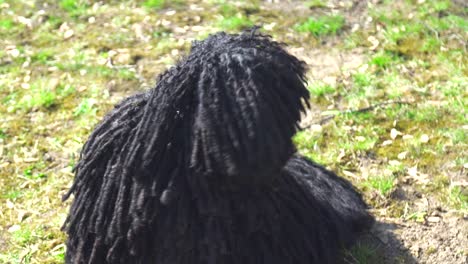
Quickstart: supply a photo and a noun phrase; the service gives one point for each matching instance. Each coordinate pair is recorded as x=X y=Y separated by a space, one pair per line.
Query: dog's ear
x=250 y=94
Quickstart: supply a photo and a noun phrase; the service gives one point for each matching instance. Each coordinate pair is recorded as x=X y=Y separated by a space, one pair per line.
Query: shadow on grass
x=379 y=246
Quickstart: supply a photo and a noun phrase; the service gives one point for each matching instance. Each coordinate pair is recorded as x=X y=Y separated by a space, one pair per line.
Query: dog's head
x=230 y=107
x=247 y=98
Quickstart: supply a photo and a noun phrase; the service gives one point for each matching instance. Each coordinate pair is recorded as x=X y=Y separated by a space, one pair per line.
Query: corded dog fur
x=202 y=170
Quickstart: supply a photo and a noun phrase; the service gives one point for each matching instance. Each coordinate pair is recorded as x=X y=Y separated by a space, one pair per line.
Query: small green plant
x=316 y=3
x=54 y=21
x=362 y=143
x=160 y=4
x=382 y=60
x=362 y=79
x=440 y=5
x=30 y=174
x=305 y=140
x=362 y=254
x=235 y=23
x=458 y=136
x=74 y=7
x=86 y=107
x=6 y=24
x=455 y=21
x=424 y=113
x=417 y=216
x=44 y=98
x=156 y=4
x=321 y=26
x=321 y=89
x=458 y=198
x=43 y=56
x=383 y=184
x=12 y=194
x=40 y=95
x=126 y=74
x=23 y=236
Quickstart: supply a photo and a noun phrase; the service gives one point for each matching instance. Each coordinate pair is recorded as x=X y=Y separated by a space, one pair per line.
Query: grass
x=157 y=4
x=322 y=26
x=235 y=23
x=53 y=91
x=6 y=24
x=382 y=60
x=362 y=254
x=161 y=4
x=382 y=184
x=458 y=198
x=316 y=3
x=235 y=18
x=74 y=7
x=318 y=89
x=41 y=96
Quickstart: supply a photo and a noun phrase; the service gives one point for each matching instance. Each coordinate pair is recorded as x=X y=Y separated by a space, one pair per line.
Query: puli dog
x=202 y=169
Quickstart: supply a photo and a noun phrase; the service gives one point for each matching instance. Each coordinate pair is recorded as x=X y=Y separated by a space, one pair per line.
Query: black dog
x=202 y=170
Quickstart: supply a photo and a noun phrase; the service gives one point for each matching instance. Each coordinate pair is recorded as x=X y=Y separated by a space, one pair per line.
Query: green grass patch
x=74 y=7
x=362 y=79
x=237 y=22
x=12 y=194
x=419 y=217
x=161 y=4
x=362 y=253
x=424 y=113
x=43 y=56
x=86 y=107
x=316 y=3
x=305 y=140
x=156 y=4
x=322 y=26
x=42 y=97
x=6 y=24
x=458 y=198
x=383 y=184
x=382 y=60
x=320 y=89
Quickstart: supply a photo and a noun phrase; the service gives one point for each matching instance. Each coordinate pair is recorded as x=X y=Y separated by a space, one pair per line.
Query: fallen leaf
x=9 y=204
x=374 y=41
x=387 y=142
x=350 y=174
x=413 y=171
x=316 y=128
x=424 y=138
x=402 y=155
x=68 y=34
x=394 y=133
x=360 y=139
x=341 y=155
x=14 y=228
x=394 y=162
x=405 y=137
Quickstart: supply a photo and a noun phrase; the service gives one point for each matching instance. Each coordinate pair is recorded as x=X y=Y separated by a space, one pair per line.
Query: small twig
x=360 y=110
x=372 y=107
x=436 y=33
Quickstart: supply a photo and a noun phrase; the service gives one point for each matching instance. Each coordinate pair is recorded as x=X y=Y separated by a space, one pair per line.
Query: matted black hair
x=201 y=169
